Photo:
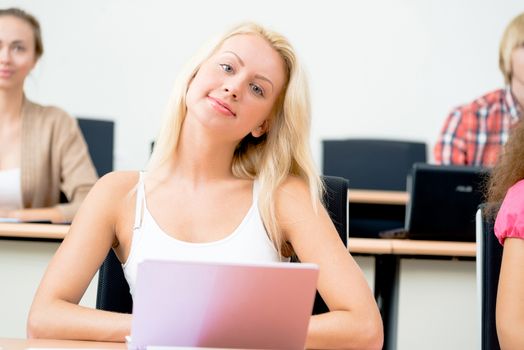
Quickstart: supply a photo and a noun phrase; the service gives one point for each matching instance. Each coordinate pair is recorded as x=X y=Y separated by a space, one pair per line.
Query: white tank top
x=249 y=242
x=10 y=189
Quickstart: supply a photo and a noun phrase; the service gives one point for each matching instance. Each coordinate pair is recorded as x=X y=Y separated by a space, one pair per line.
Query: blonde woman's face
x=17 y=51
x=235 y=89
x=517 y=65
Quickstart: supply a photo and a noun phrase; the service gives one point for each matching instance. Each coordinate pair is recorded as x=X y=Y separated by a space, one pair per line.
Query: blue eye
x=257 y=90
x=226 y=68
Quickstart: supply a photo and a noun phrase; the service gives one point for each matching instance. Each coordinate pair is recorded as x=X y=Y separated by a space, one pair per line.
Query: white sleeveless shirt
x=249 y=242
x=10 y=189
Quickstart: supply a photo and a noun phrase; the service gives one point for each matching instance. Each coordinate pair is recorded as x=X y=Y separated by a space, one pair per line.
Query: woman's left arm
x=354 y=320
x=510 y=296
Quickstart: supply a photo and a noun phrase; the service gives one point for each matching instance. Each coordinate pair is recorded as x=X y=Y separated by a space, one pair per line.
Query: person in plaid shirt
x=474 y=134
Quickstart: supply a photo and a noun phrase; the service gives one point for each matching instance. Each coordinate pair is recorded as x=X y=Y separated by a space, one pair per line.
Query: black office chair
x=99 y=136
x=336 y=202
x=489 y=258
x=113 y=290
x=373 y=164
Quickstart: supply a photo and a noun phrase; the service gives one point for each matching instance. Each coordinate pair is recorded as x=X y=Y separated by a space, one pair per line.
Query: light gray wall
x=377 y=68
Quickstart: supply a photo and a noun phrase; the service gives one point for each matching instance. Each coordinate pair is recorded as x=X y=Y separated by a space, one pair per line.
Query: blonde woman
x=42 y=151
x=231 y=179
x=475 y=133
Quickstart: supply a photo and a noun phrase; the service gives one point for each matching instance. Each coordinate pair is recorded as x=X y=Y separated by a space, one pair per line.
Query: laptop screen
x=443 y=201
x=199 y=304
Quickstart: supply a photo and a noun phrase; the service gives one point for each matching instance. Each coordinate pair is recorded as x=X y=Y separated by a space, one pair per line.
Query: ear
x=261 y=129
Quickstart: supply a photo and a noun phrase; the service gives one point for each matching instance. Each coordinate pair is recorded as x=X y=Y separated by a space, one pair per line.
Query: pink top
x=510 y=219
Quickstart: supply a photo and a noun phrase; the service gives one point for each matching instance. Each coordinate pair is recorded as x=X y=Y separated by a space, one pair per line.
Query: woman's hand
x=9 y=214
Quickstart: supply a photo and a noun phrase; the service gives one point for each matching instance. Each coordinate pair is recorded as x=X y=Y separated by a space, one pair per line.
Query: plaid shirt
x=475 y=133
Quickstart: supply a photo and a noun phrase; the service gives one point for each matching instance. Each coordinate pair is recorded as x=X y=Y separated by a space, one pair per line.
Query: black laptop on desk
x=443 y=200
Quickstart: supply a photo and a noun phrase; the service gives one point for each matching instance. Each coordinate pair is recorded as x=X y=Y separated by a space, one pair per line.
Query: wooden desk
x=22 y=344
x=387 y=254
x=25 y=252
x=37 y=231
x=433 y=248
x=411 y=247
x=378 y=197
x=369 y=246
x=356 y=245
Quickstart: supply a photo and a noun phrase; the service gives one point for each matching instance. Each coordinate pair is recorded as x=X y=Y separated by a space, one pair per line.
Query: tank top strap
x=140 y=201
x=256 y=190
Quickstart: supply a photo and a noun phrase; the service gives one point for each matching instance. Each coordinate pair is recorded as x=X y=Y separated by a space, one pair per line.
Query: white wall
x=377 y=68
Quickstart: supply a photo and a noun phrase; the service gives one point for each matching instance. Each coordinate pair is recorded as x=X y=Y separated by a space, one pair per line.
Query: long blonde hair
x=512 y=38
x=284 y=150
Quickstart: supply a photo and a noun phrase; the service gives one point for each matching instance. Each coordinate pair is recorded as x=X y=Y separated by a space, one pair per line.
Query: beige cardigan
x=54 y=159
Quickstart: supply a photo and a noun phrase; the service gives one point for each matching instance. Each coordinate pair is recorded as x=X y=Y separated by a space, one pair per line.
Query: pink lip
x=5 y=73
x=221 y=106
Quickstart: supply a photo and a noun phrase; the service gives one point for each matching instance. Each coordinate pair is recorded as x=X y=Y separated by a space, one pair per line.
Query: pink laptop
x=224 y=305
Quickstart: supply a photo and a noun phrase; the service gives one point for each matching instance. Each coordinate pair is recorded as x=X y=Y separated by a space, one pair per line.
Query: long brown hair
x=510 y=167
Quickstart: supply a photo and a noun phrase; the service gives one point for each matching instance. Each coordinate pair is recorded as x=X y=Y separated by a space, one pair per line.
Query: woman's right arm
x=510 y=296
x=55 y=312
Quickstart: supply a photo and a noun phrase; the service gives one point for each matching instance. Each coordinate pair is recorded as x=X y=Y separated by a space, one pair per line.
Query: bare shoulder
x=293 y=198
x=112 y=188
x=293 y=187
x=106 y=202
x=119 y=180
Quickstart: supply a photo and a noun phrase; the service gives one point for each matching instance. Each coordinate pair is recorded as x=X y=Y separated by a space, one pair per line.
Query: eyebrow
x=258 y=76
x=16 y=41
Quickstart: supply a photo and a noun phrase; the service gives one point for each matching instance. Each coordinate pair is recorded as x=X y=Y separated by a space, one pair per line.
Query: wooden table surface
x=20 y=344
x=356 y=245
x=411 y=247
x=23 y=344
x=377 y=197
x=37 y=231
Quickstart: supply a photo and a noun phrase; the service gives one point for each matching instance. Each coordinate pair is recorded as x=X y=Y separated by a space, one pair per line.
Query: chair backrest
x=113 y=290
x=489 y=258
x=99 y=136
x=336 y=202
x=371 y=163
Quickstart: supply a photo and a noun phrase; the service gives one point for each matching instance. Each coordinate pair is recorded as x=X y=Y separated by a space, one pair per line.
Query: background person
x=42 y=151
x=474 y=134
x=507 y=186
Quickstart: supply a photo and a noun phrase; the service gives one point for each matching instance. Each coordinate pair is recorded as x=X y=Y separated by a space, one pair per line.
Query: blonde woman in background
x=475 y=133
x=231 y=179
x=42 y=152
